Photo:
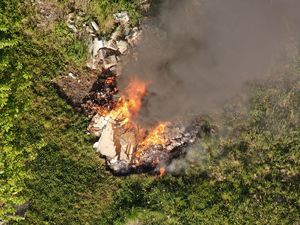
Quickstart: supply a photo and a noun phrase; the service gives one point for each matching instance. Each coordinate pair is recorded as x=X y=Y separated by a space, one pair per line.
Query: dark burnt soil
x=88 y=89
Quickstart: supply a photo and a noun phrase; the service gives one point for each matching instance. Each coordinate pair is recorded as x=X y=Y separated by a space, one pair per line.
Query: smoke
x=196 y=156
x=199 y=53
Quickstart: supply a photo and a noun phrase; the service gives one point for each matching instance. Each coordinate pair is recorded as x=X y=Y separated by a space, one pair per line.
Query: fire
x=110 y=80
x=135 y=92
x=130 y=103
x=155 y=137
x=128 y=107
x=162 y=171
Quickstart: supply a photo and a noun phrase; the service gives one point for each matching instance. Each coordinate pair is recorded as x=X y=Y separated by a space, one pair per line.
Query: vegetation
x=247 y=175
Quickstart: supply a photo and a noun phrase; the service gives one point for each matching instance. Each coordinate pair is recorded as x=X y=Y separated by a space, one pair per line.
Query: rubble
x=97 y=124
x=121 y=17
x=71 y=23
x=120 y=147
x=134 y=36
x=88 y=90
x=96 y=45
x=95 y=92
x=122 y=46
x=110 y=61
x=106 y=145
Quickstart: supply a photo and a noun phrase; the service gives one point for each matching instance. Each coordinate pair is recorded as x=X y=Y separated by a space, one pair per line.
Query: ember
x=162 y=171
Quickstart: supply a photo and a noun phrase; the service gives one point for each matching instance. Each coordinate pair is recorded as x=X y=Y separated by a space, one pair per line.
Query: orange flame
x=128 y=107
x=155 y=137
x=130 y=103
x=110 y=80
x=135 y=92
x=162 y=171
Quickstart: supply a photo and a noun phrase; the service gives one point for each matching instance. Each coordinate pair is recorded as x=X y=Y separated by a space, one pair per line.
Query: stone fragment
x=97 y=44
x=72 y=76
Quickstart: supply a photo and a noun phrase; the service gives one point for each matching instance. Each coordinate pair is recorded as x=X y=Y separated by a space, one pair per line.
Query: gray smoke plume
x=199 y=53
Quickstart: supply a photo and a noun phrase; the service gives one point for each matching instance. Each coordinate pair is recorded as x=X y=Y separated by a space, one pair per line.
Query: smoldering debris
x=124 y=155
x=203 y=51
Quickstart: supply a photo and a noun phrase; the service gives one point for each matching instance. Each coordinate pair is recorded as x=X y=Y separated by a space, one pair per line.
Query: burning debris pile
x=125 y=144
x=129 y=148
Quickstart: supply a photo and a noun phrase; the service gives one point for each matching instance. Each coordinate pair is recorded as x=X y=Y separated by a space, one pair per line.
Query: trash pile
x=126 y=147
x=96 y=83
x=124 y=151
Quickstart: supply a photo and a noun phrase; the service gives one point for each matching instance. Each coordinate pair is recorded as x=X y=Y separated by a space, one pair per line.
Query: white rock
x=95 y=145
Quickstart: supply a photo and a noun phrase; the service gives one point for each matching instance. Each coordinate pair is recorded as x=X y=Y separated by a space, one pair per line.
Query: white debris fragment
x=134 y=37
x=89 y=30
x=122 y=46
x=95 y=145
x=95 y=26
x=112 y=44
x=110 y=61
x=121 y=17
x=106 y=145
x=128 y=145
x=72 y=76
x=97 y=45
x=72 y=27
x=97 y=124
